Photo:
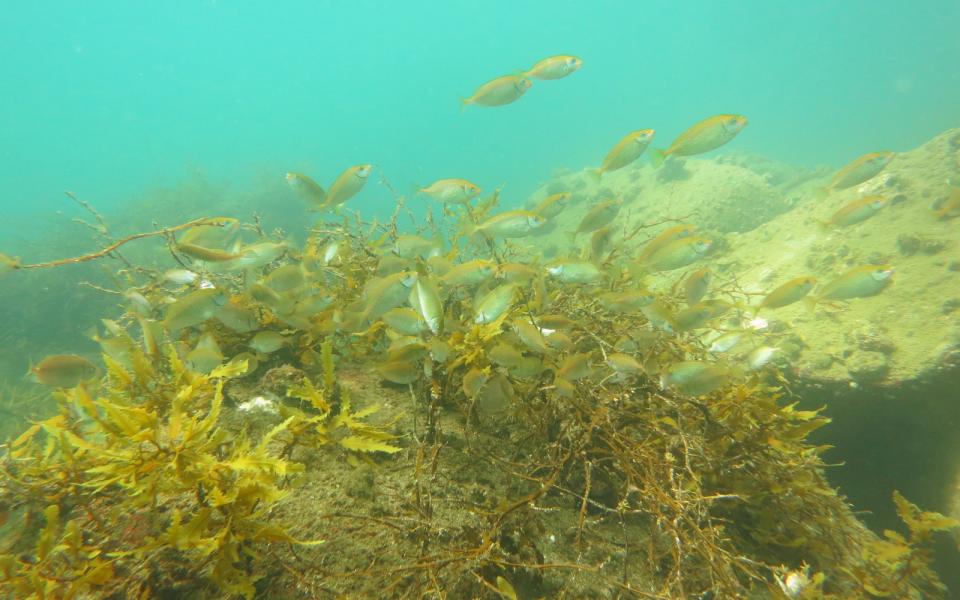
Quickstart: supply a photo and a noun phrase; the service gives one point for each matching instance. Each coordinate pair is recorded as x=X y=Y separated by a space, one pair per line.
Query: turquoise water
x=111 y=98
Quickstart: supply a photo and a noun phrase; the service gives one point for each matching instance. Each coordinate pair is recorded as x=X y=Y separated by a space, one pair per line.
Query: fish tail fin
x=811 y=303
x=823 y=225
x=416 y=190
x=595 y=174
x=464 y=102
x=657 y=156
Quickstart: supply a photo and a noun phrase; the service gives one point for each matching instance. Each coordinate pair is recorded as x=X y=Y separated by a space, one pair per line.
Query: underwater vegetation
x=379 y=413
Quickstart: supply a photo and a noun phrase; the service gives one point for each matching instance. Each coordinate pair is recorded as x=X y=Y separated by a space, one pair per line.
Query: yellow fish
x=63 y=370
x=858 y=282
x=947 y=208
x=500 y=91
x=347 y=185
x=554 y=67
x=855 y=212
x=511 y=224
x=625 y=152
x=694 y=378
x=553 y=204
x=665 y=237
x=451 y=191
x=194 y=308
x=788 y=293
x=8 y=264
x=306 y=187
x=859 y=170
x=707 y=135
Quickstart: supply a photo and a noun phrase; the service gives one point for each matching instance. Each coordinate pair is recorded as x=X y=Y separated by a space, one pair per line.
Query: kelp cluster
x=533 y=448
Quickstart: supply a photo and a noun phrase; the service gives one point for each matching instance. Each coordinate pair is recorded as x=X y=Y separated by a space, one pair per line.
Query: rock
x=867 y=366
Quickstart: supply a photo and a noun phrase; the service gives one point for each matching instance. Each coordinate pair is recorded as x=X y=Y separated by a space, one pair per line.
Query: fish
x=725 y=342
x=180 y=276
x=855 y=212
x=451 y=191
x=694 y=378
x=347 y=185
x=387 y=292
x=440 y=350
x=206 y=254
x=531 y=336
x=859 y=170
x=945 y=209
x=206 y=355
x=627 y=150
x=499 y=91
x=624 y=364
x=505 y=355
x=626 y=301
x=694 y=317
x=553 y=204
x=558 y=340
x=285 y=279
x=858 y=282
x=707 y=135
x=276 y=302
x=600 y=242
x=788 y=293
x=495 y=303
x=8 y=264
x=575 y=367
x=663 y=238
x=241 y=320
x=696 y=285
x=266 y=342
x=414 y=246
x=496 y=395
x=216 y=232
x=194 y=308
x=600 y=215
x=428 y=304
x=469 y=273
x=660 y=316
x=63 y=370
x=554 y=67
x=760 y=356
x=677 y=254
x=309 y=189
x=574 y=271
x=391 y=264
x=405 y=320
x=511 y=224
x=473 y=381
x=515 y=273
x=257 y=255
x=138 y=301
x=399 y=371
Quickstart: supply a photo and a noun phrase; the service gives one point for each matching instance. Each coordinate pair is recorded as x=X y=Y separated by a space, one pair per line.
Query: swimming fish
x=859 y=170
x=285 y=278
x=500 y=91
x=63 y=370
x=414 y=246
x=471 y=272
x=627 y=150
x=216 y=232
x=239 y=319
x=194 y=308
x=428 y=304
x=858 y=282
x=347 y=185
x=180 y=276
x=266 y=342
x=451 y=191
x=600 y=215
x=309 y=189
x=788 y=293
x=626 y=300
x=855 y=212
x=206 y=254
x=387 y=292
x=553 y=204
x=624 y=364
x=707 y=135
x=399 y=371
x=257 y=255
x=496 y=302
x=600 y=241
x=945 y=209
x=663 y=238
x=696 y=284
x=515 y=273
x=694 y=378
x=511 y=224
x=677 y=254
x=206 y=355
x=531 y=336
x=554 y=67
x=574 y=271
